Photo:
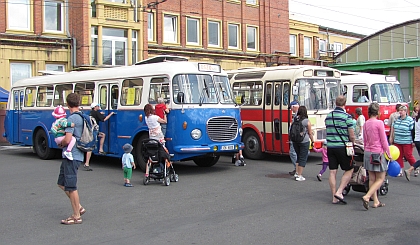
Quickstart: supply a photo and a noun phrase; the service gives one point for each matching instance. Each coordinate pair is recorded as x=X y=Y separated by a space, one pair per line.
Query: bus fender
x=250 y=127
x=42 y=126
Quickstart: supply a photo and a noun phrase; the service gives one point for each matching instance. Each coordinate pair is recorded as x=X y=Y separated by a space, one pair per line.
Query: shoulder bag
x=349 y=145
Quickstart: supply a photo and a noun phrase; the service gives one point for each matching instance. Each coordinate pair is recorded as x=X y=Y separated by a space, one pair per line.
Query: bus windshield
x=223 y=88
x=384 y=93
x=312 y=93
x=196 y=88
x=399 y=93
x=333 y=91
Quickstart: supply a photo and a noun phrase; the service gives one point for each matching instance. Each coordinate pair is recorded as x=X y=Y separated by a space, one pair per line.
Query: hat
x=127 y=148
x=295 y=102
x=93 y=105
x=59 y=112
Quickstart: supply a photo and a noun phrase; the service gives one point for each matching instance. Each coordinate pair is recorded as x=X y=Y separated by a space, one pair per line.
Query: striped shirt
x=343 y=122
x=402 y=130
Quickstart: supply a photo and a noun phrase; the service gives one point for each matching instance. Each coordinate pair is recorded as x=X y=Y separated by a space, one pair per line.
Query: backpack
x=297 y=131
x=89 y=137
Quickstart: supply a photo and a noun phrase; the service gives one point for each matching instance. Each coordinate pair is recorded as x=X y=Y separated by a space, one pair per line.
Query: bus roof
x=368 y=78
x=167 y=67
x=275 y=68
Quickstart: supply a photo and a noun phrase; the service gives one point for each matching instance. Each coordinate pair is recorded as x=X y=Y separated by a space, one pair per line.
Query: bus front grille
x=222 y=129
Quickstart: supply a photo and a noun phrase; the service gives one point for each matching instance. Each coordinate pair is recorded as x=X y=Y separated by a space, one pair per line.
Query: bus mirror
x=295 y=90
x=409 y=99
x=180 y=97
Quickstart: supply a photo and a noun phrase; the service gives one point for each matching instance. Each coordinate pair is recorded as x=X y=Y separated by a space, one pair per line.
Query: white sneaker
x=416 y=172
x=295 y=175
x=68 y=155
x=300 y=178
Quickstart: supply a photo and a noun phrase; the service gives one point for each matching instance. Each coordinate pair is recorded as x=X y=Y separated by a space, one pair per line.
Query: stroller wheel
x=346 y=190
x=145 y=181
x=167 y=180
x=174 y=177
x=383 y=190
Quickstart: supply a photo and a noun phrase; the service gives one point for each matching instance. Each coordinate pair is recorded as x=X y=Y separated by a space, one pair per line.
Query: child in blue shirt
x=128 y=164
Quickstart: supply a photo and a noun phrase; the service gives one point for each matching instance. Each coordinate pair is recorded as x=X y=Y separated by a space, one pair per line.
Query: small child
x=58 y=129
x=323 y=150
x=240 y=160
x=160 y=110
x=128 y=164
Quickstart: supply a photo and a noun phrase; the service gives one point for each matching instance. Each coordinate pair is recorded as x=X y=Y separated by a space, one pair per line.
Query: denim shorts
x=68 y=174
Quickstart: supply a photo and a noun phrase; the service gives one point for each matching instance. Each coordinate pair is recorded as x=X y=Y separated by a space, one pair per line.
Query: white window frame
x=253 y=29
x=113 y=40
x=170 y=28
x=197 y=29
x=151 y=26
x=292 y=44
x=61 y=18
x=19 y=15
x=218 y=33
x=237 y=36
x=307 y=46
x=134 y=46
x=338 y=47
x=23 y=66
x=51 y=67
x=322 y=42
x=251 y=2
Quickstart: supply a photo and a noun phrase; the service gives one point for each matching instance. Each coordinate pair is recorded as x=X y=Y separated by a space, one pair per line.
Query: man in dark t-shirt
x=99 y=117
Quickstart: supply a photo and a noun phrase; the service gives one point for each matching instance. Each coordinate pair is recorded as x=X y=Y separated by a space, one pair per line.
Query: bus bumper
x=212 y=148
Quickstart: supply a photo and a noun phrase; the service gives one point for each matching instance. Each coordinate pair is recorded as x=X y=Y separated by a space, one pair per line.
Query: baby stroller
x=158 y=163
x=354 y=184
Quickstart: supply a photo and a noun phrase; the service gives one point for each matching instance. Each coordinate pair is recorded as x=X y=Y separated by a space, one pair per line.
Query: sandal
x=365 y=204
x=102 y=153
x=82 y=211
x=379 y=205
x=71 y=221
x=87 y=168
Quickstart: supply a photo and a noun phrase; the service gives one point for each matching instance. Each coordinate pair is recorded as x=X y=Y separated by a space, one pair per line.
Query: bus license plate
x=227 y=147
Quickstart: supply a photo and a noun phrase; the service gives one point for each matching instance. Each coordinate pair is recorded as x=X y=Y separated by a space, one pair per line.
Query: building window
x=53 y=16
x=93 y=9
x=307 y=46
x=150 y=26
x=214 y=33
x=322 y=45
x=233 y=32
x=94 y=45
x=20 y=71
x=117 y=1
x=253 y=2
x=18 y=16
x=170 y=29
x=134 y=47
x=54 y=67
x=338 y=47
x=292 y=45
x=251 y=38
x=114 y=43
x=193 y=31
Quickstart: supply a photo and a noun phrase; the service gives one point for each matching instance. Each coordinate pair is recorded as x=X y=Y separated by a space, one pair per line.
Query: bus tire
x=252 y=144
x=138 y=153
x=206 y=161
x=41 y=146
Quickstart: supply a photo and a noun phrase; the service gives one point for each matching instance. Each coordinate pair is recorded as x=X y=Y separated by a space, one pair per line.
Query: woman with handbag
x=375 y=144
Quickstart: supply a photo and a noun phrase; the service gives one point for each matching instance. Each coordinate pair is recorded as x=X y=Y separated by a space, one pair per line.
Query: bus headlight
x=196 y=134
x=240 y=131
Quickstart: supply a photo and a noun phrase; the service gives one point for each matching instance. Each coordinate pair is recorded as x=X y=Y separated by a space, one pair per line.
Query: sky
x=358 y=16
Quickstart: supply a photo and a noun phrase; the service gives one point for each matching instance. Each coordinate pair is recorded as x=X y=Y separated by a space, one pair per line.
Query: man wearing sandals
x=67 y=179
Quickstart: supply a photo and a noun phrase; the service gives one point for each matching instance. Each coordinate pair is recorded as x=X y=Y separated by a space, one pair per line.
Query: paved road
x=223 y=204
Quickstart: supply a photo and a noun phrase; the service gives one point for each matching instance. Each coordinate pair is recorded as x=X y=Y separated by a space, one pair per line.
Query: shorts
x=68 y=174
x=128 y=172
x=338 y=157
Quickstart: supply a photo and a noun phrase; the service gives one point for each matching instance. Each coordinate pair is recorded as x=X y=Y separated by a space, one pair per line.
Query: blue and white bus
x=204 y=121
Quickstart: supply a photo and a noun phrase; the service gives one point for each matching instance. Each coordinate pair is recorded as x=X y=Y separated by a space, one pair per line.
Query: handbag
x=359 y=176
x=349 y=145
x=375 y=159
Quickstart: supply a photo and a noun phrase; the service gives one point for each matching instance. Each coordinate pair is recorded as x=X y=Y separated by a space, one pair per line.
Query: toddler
x=58 y=129
x=128 y=164
x=323 y=150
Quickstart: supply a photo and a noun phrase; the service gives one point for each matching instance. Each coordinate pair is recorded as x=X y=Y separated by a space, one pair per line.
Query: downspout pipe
x=73 y=40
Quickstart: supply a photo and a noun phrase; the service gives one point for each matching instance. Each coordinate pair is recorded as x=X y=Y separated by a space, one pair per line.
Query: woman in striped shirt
x=401 y=137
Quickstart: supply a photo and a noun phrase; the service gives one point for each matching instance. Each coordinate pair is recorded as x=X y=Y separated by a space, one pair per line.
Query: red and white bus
x=265 y=95
x=363 y=88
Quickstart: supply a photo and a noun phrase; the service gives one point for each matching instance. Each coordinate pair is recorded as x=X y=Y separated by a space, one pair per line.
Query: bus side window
x=286 y=92
x=30 y=97
x=114 y=97
x=86 y=92
x=61 y=92
x=268 y=94
x=131 y=92
x=44 y=96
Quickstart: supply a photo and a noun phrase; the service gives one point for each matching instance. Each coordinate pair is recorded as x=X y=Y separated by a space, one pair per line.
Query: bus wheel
x=41 y=146
x=252 y=148
x=138 y=151
x=206 y=161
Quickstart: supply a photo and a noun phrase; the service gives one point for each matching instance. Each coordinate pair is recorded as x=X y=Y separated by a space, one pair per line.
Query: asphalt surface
x=256 y=204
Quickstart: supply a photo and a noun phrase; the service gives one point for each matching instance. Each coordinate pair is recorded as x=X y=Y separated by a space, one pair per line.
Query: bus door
x=16 y=124
x=108 y=100
x=276 y=115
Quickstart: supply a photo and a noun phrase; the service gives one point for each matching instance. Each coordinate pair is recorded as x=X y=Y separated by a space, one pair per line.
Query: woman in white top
x=153 y=123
